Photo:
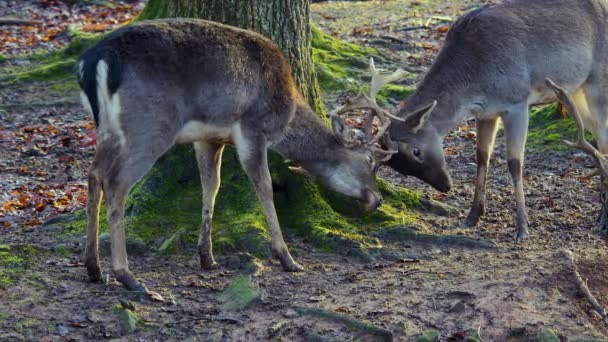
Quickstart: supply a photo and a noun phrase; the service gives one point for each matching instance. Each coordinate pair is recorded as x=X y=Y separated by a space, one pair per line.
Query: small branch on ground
x=582 y=286
x=15 y=21
x=413 y=28
x=366 y=327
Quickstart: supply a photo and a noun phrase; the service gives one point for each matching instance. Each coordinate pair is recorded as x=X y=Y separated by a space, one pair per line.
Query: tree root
x=364 y=327
x=582 y=286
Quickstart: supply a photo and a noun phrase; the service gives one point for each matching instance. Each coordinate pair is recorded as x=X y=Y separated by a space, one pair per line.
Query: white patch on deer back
x=199 y=131
x=109 y=105
x=242 y=144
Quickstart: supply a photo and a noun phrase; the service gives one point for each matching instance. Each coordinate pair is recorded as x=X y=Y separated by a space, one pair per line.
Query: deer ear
x=416 y=119
x=341 y=131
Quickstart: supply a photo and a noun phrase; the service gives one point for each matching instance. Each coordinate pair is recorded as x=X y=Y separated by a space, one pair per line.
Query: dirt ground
x=512 y=293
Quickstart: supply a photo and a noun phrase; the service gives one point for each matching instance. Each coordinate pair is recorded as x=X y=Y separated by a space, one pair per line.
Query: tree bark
x=286 y=22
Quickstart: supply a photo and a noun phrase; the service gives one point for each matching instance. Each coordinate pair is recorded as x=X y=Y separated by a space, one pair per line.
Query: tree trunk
x=286 y=22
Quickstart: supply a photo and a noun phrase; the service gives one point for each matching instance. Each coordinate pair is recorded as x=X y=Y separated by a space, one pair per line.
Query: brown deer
x=156 y=83
x=493 y=66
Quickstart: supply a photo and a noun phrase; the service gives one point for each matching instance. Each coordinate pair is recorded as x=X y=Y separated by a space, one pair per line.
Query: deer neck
x=455 y=93
x=306 y=138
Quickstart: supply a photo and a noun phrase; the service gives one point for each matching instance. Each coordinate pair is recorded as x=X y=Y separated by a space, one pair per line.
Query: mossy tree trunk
x=286 y=22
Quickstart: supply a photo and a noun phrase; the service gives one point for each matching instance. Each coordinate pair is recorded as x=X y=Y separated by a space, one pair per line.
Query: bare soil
x=513 y=293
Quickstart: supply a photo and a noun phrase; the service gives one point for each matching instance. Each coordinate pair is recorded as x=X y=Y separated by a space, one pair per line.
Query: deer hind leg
x=253 y=155
x=209 y=159
x=91 y=259
x=596 y=112
x=486 y=134
x=117 y=168
x=516 y=128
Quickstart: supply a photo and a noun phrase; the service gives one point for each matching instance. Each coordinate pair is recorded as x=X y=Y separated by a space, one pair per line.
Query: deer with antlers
x=153 y=84
x=493 y=66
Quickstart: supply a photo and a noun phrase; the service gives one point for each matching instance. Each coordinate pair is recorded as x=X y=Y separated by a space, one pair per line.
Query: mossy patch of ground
x=168 y=200
x=14 y=262
x=54 y=66
x=548 y=128
x=344 y=67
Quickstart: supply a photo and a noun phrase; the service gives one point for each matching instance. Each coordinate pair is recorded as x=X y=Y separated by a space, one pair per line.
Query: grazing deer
x=493 y=65
x=153 y=84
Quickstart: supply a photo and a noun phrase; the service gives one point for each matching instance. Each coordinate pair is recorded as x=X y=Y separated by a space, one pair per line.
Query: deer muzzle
x=372 y=199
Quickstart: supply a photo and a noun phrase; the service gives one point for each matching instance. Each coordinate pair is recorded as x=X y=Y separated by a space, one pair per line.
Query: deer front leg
x=516 y=128
x=253 y=155
x=91 y=258
x=209 y=159
x=486 y=134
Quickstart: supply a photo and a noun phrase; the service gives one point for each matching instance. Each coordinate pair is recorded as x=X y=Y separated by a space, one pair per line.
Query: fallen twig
x=412 y=28
x=582 y=286
x=368 y=328
x=15 y=21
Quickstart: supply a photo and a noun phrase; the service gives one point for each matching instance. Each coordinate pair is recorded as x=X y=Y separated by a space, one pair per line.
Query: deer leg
x=596 y=107
x=209 y=159
x=516 y=129
x=486 y=133
x=253 y=155
x=115 y=196
x=91 y=259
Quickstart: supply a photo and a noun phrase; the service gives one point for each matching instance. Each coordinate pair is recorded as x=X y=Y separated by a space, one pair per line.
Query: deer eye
x=416 y=152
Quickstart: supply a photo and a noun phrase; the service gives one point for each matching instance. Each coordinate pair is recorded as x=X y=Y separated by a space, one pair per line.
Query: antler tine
x=380 y=80
x=581 y=143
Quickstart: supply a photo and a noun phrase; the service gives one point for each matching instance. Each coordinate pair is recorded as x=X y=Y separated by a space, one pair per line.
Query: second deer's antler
x=581 y=143
x=363 y=101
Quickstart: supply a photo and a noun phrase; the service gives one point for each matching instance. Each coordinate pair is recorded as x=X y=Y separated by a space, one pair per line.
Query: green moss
x=14 y=262
x=241 y=293
x=548 y=128
x=3 y=58
x=339 y=65
x=548 y=336
x=168 y=200
x=429 y=336
x=63 y=251
x=57 y=65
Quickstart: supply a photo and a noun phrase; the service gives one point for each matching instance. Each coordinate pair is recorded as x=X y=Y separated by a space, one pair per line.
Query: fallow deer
x=157 y=83
x=493 y=65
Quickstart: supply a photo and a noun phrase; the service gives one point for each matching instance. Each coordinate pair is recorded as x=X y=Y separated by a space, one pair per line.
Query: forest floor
x=515 y=292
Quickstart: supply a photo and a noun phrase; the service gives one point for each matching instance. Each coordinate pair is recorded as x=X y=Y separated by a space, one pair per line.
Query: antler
x=581 y=143
x=363 y=101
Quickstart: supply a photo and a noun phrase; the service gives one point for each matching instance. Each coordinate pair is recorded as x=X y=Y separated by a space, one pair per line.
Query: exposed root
x=582 y=286
x=408 y=234
x=367 y=328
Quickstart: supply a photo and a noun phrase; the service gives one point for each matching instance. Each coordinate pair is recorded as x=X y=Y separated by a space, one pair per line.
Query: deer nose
x=372 y=199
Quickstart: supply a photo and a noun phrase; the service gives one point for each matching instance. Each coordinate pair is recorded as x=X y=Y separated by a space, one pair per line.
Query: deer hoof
x=208 y=263
x=521 y=234
x=289 y=265
x=471 y=221
x=94 y=272
x=292 y=267
x=128 y=280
